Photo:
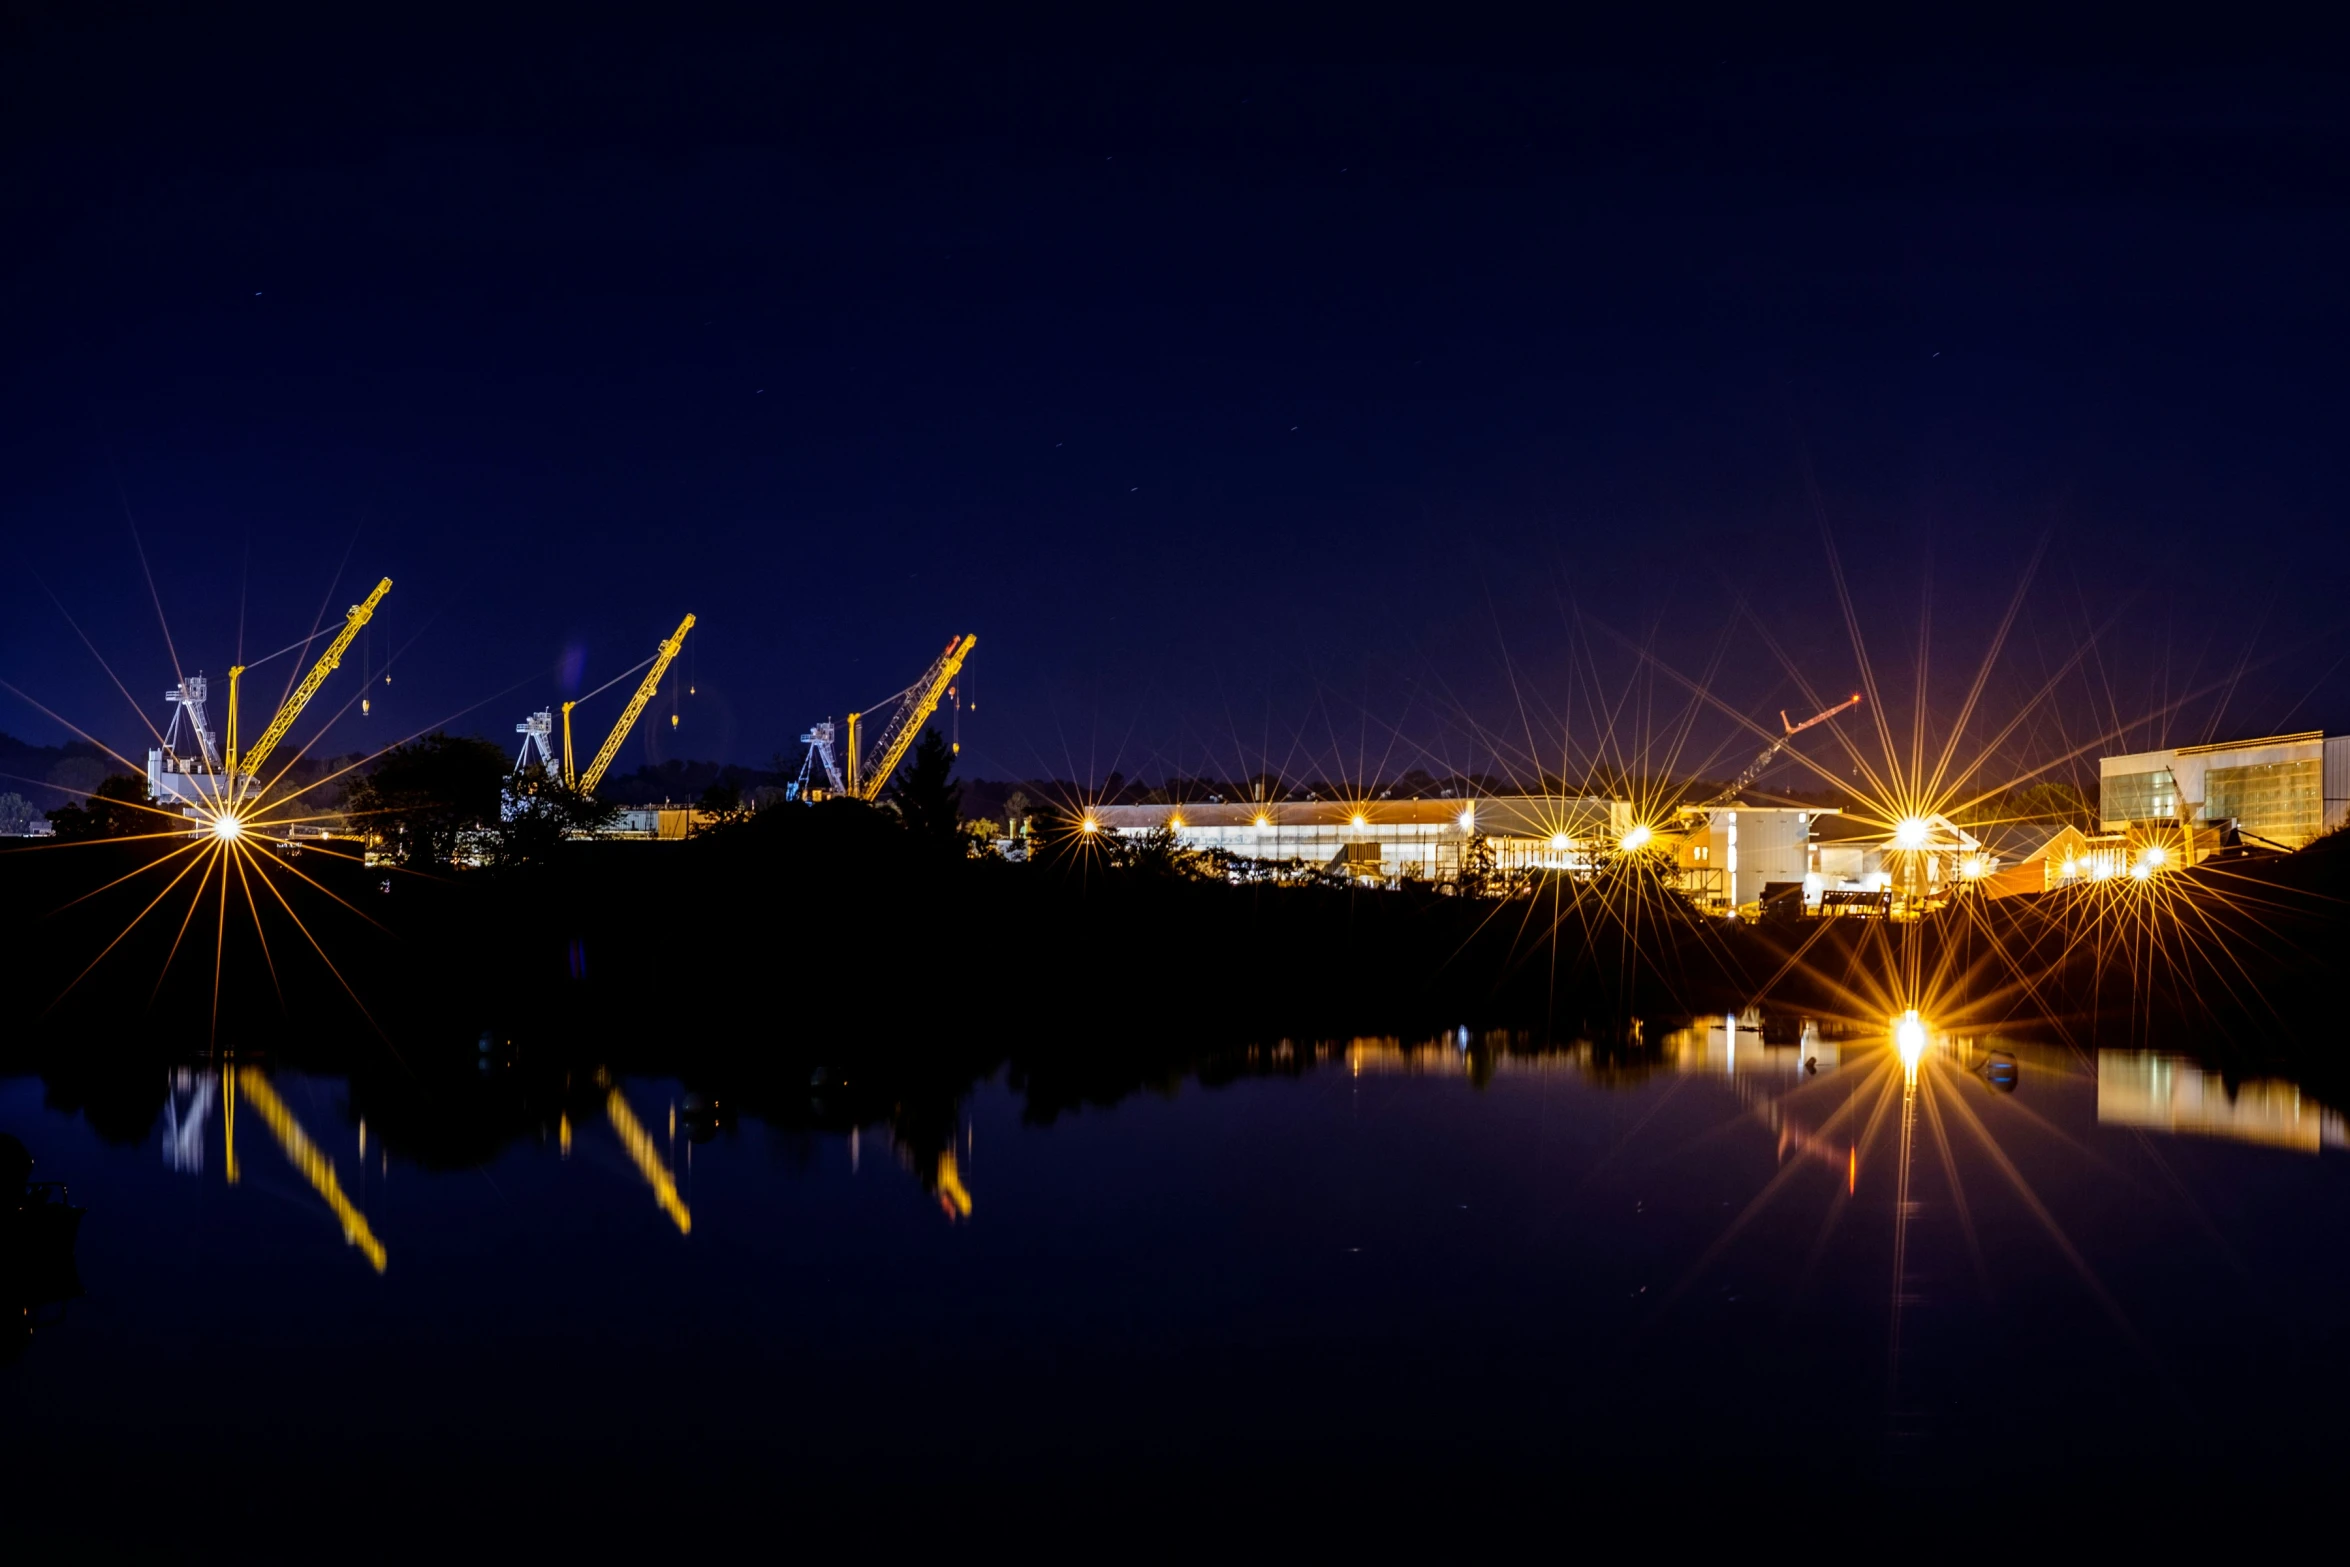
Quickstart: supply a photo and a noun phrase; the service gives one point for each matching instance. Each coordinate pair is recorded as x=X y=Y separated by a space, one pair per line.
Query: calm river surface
x=1714 y=1271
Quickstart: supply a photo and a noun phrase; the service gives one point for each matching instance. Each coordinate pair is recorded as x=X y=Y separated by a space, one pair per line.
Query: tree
x=17 y=816
x=424 y=797
x=117 y=808
x=537 y=814
x=1477 y=867
x=929 y=803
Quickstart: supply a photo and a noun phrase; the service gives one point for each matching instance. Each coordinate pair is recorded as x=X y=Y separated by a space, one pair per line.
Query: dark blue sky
x=1241 y=402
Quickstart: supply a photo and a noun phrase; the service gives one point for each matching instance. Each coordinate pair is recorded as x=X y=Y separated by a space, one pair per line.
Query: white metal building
x=1390 y=839
x=2285 y=789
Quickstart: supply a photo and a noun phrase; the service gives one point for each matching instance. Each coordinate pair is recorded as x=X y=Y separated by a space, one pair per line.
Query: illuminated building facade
x=1730 y=853
x=2283 y=790
x=1391 y=840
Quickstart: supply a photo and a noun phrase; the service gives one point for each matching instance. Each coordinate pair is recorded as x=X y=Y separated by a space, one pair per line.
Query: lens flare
x=227 y=828
x=1637 y=839
x=1909 y=1038
x=1910 y=832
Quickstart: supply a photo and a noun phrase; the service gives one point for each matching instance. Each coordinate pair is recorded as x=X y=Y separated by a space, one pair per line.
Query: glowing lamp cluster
x=1638 y=838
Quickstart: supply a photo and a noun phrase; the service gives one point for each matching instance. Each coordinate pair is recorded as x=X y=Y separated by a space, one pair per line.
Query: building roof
x=2019 y=843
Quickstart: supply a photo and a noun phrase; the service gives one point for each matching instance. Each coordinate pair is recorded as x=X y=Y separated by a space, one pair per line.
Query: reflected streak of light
x=1787 y=1173
x=316 y=1167
x=2063 y=1242
x=1912 y=1035
x=1958 y=1202
x=641 y=1148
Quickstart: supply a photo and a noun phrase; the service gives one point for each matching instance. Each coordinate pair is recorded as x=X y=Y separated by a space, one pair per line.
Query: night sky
x=1334 y=411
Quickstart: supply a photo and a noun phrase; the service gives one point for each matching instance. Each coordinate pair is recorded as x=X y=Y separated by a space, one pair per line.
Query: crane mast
x=358 y=616
x=914 y=708
x=587 y=781
x=1771 y=752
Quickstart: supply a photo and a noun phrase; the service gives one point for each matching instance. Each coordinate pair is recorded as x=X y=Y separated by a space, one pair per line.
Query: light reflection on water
x=1759 y=1231
x=2164 y=1093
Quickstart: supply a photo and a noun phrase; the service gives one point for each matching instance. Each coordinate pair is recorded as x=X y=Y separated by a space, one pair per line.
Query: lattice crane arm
x=1771 y=752
x=921 y=700
x=358 y=616
x=636 y=705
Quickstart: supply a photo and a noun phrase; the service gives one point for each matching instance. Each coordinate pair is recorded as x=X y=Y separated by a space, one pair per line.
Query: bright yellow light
x=2101 y=871
x=1175 y=824
x=2155 y=854
x=1909 y=1037
x=2072 y=867
x=1971 y=867
x=1089 y=825
x=1357 y=820
x=228 y=829
x=1469 y=819
x=2141 y=871
x=1559 y=840
x=1637 y=839
x=1264 y=822
x=1910 y=832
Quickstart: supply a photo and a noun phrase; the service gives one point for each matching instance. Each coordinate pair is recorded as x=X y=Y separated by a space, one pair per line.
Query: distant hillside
x=52 y=775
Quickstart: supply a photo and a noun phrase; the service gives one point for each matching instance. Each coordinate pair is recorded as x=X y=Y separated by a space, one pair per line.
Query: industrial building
x=1729 y=853
x=2281 y=791
x=1390 y=840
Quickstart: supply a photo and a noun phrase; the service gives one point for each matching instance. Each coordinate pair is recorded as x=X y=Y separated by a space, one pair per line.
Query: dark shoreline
x=817 y=970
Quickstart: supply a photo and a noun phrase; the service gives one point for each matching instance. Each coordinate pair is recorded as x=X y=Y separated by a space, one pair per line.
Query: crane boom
x=913 y=711
x=636 y=705
x=1771 y=752
x=358 y=616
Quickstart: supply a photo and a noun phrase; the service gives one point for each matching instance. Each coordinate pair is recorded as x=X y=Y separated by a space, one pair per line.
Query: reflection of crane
x=316 y=1167
x=951 y=1195
x=184 y=1147
x=1771 y=752
x=641 y=1149
x=915 y=704
x=585 y=783
x=358 y=616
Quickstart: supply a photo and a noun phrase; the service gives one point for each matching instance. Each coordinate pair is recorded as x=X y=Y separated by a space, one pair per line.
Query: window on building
x=2281 y=801
x=2139 y=797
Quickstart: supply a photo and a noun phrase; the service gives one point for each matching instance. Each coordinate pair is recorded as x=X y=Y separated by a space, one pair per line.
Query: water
x=1358 y=1288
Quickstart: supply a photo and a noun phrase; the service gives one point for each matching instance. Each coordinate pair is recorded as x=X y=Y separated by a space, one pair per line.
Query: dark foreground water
x=1694 y=1282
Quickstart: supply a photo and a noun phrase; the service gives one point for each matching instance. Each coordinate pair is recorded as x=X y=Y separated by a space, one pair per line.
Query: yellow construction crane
x=915 y=705
x=585 y=783
x=357 y=616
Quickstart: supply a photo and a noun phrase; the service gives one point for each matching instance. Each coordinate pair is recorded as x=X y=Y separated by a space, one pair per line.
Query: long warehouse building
x=1417 y=840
